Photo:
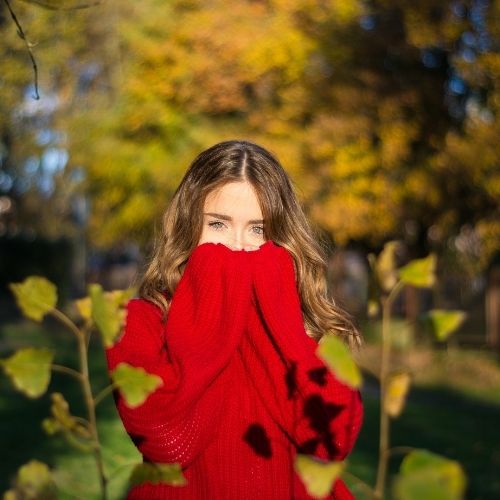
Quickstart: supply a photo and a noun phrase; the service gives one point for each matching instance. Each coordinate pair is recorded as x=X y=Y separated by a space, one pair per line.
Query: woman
x=231 y=307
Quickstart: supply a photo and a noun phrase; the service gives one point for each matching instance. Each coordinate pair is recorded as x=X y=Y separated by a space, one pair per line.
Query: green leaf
x=108 y=312
x=158 y=473
x=135 y=383
x=444 y=323
x=121 y=297
x=419 y=272
x=33 y=481
x=338 y=358
x=424 y=474
x=29 y=370
x=35 y=296
x=317 y=475
x=398 y=384
x=385 y=266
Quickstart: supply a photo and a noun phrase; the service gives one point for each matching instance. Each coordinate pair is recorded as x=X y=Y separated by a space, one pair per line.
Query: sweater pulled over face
x=243 y=391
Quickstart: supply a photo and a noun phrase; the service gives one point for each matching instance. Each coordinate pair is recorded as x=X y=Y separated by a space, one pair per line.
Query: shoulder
x=142 y=308
x=142 y=320
x=141 y=334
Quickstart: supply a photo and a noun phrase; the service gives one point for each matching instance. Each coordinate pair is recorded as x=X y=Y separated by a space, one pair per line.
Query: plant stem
x=365 y=486
x=83 y=339
x=89 y=401
x=384 y=369
x=104 y=392
x=67 y=370
x=66 y=321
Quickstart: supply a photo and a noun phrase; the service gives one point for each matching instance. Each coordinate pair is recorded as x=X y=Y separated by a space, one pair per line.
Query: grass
x=453 y=409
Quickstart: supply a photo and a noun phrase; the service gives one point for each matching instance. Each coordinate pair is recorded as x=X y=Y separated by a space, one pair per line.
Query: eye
x=259 y=230
x=216 y=225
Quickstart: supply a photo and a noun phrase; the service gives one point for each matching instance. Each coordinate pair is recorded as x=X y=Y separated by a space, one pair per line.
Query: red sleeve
x=204 y=326
x=320 y=415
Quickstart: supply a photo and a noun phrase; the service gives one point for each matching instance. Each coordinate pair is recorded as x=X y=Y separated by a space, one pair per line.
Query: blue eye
x=215 y=225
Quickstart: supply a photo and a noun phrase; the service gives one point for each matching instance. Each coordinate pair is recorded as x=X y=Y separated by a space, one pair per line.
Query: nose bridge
x=240 y=236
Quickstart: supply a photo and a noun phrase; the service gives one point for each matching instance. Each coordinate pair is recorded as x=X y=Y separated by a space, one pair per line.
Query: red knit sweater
x=243 y=390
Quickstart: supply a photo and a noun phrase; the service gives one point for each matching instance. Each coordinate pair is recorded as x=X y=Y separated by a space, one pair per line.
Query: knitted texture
x=243 y=390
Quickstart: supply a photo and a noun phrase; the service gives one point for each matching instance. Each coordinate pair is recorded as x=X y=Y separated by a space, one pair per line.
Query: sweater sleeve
x=319 y=414
x=204 y=325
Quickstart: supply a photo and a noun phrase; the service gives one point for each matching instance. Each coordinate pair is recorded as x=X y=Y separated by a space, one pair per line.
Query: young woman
x=231 y=307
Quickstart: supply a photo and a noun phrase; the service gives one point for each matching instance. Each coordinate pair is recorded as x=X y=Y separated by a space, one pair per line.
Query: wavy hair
x=285 y=224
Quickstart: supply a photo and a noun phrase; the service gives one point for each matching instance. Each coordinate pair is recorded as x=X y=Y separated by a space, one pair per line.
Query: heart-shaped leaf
x=317 y=475
x=337 y=357
x=444 y=323
x=35 y=296
x=158 y=473
x=29 y=370
x=419 y=272
x=135 y=383
x=424 y=474
x=107 y=312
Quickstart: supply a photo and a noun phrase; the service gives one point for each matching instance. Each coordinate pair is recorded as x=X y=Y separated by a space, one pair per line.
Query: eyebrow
x=227 y=217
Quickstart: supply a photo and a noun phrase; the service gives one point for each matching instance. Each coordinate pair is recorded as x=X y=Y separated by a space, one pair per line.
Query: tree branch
x=21 y=34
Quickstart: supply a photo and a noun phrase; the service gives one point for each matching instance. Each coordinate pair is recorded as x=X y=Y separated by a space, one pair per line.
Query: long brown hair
x=285 y=224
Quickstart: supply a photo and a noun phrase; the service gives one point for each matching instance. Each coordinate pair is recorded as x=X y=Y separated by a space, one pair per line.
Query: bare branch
x=56 y=7
x=21 y=34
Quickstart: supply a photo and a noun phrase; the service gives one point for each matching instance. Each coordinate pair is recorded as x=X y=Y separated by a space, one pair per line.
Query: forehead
x=232 y=199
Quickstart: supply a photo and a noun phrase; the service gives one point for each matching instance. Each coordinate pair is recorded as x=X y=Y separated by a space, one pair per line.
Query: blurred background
x=384 y=113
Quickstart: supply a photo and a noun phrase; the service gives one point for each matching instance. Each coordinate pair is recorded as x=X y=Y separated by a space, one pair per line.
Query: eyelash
x=213 y=224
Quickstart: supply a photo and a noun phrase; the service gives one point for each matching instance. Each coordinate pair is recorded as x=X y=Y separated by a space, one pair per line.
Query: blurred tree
x=384 y=112
x=35 y=183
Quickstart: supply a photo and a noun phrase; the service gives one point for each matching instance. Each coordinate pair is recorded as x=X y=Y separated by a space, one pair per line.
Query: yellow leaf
x=29 y=370
x=135 y=383
x=317 y=475
x=35 y=296
x=396 y=391
x=385 y=266
x=419 y=272
x=158 y=473
x=444 y=322
x=84 y=307
x=337 y=357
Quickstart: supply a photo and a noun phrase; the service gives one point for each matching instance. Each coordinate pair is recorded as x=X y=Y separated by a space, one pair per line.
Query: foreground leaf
x=318 y=476
x=158 y=473
x=29 y=370
x=84 y=307
x=424 y=474
x=444 y=323
x=107 y=312
x=398 y=384
x=135 y=383
x=35 y=296
x=338 y=358
x=419 y=272
x=33 y=481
